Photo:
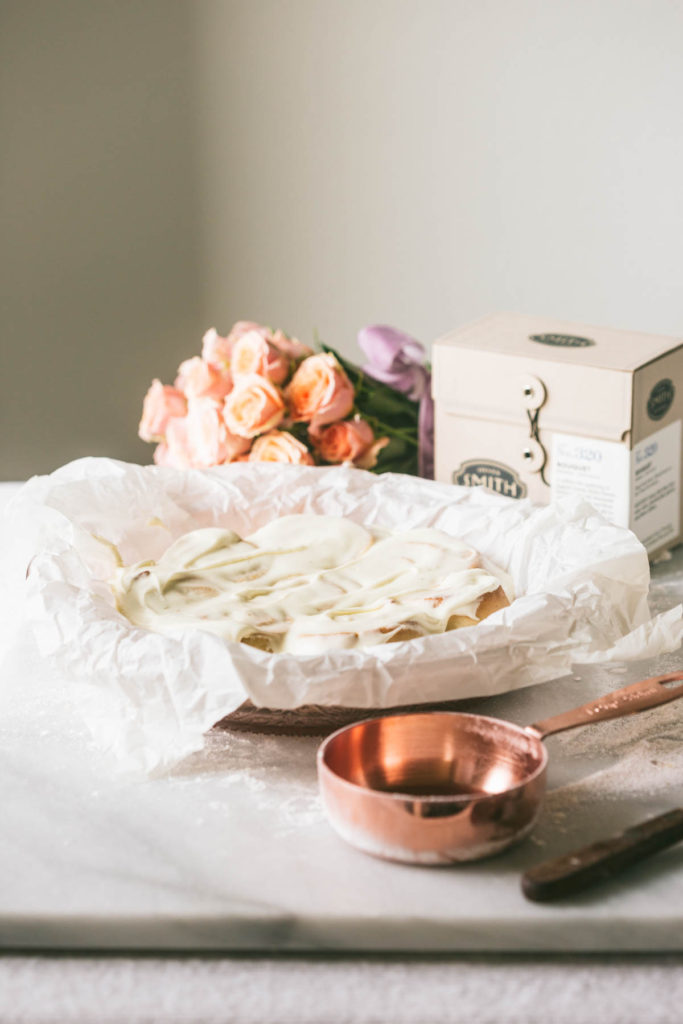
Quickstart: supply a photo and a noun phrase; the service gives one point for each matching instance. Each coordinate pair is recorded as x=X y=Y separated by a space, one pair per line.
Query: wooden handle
x=647 y=693
x=602 y=860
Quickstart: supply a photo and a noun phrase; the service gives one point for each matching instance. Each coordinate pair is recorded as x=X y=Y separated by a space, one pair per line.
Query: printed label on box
x=597 y=471
x=656 y=487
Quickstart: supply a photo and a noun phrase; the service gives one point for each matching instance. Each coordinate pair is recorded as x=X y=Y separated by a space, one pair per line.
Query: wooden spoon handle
x=602 y=860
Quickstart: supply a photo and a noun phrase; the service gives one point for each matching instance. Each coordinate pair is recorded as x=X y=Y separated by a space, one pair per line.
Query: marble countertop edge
x=285 y=935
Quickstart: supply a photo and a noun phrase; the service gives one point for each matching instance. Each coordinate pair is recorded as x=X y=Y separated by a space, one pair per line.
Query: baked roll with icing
x=307 y=584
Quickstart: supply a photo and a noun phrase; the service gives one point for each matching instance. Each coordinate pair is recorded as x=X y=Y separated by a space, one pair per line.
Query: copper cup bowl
x=440 y=787
x=433 y=787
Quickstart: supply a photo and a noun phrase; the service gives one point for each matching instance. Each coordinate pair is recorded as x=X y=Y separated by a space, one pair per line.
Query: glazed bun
x=308 y=584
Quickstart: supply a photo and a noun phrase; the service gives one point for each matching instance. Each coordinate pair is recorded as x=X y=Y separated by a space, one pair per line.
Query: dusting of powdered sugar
x=277 y=772
x=647 y=749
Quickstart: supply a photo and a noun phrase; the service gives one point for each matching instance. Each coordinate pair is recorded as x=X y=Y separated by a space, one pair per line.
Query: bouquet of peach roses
x=259 y=395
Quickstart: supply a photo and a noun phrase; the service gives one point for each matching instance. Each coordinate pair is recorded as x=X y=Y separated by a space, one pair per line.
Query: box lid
x=560 y=341
x=568 y=378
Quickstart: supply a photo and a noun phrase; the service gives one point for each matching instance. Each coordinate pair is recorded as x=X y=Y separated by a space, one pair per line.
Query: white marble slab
x=232 y=852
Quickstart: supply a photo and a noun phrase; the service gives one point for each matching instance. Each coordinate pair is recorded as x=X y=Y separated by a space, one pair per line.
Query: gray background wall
x=168 y=165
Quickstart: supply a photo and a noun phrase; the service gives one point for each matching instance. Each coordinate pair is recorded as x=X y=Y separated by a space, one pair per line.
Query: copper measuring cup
x=438 y=787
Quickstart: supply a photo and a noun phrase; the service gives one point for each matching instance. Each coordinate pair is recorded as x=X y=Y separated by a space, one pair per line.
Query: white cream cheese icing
x=306 y=584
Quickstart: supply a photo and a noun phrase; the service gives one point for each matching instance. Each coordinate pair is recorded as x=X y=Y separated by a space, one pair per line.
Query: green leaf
x=300 y=432
x=389 y=413
x=376 y=398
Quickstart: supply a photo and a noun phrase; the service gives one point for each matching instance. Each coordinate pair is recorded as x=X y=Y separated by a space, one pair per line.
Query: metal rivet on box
x=534 y=455
x=533 y=392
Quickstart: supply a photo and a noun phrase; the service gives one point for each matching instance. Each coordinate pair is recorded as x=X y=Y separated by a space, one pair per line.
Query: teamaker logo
x=563 y=340
x=494 y=475
x=661 y=399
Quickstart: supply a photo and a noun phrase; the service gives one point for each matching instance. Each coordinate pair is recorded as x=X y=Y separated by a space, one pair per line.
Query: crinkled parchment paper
x=581 y=587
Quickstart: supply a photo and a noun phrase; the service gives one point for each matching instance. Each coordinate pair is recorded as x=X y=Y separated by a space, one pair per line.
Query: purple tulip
x=398 y=360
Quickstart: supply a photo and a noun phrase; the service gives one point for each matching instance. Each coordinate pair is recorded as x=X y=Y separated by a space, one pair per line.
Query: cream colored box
x=540 y=408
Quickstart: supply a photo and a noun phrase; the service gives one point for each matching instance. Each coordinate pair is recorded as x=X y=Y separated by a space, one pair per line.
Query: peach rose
x=216 y=349
x=198 y=379
x=254 y=354
x=174 y=451
x=280 y=446
x=349 y=441
x=161 y=403
x=320 y=391
x=291 y=347
x=161 y=455
x=242 y=327
x=253 y=406
x=209 y=442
